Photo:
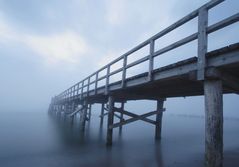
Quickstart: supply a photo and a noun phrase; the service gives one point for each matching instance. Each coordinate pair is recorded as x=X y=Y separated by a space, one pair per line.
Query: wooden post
x=102 y=113
x=151 y=60
x=73 y=106
x=213 y=123
x=110 y=121
x=202 y=42
x=159 y=116
x=72 y=120
x=89 y=111
x=107 y=80
x=124 y=71
x=96 y=82
x=83 y=116
x=121 y=117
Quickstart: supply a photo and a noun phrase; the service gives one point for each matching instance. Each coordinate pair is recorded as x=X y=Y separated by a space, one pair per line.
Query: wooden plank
x=177 y=44
x=202 y=42
x=224 y=23
x=213 y=123
x=116 y=71
x=137 y=62
x=101 y=78
x=177 y=24
x=212 y=3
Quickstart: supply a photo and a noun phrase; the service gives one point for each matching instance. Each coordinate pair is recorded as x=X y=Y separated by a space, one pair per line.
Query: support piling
x=213 y=123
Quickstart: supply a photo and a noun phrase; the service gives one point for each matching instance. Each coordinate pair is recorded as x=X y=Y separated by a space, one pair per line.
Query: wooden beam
x=133 y=115
x=202 y=42
x=121 y=117
x=89 y=111
x=83 y=116
x=116 y=115
x=102 y=113
x=135 y=118
x=110 y=121
x=213 y=123
x=159 y=116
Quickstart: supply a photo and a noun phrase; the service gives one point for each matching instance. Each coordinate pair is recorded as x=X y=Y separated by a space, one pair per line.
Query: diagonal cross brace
x=76 y=111
x=135 y=117
x=116 y=115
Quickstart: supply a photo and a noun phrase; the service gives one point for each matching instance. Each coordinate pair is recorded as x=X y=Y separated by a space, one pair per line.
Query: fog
x=47 y=46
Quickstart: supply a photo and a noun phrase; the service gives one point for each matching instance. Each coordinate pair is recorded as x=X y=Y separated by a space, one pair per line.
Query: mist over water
x=35 y=139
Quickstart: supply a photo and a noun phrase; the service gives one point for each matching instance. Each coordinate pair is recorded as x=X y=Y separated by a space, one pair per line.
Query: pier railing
x=83 y=87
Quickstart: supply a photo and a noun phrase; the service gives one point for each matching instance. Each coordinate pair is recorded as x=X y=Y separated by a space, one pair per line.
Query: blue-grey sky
x=48 y=45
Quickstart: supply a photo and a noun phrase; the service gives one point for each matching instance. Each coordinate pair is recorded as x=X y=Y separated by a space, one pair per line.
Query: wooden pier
x=211 y=74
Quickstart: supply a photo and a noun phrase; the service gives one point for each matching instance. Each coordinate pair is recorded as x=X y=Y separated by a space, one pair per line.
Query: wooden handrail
x=202 y=13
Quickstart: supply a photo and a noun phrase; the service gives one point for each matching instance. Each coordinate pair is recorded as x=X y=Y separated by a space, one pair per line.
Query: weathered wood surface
x=213 y=123
x=110 y=121
x=159 y=117
x=203 y=30
x=165 y=79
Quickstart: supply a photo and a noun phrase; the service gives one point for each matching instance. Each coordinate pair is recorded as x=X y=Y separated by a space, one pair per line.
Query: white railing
x=83 y=87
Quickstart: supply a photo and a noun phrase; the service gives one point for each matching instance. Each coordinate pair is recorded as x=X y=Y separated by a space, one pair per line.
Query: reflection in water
x=158 y=154
x=32 y=139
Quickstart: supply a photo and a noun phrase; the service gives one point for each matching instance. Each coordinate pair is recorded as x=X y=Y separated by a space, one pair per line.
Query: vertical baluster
x=77 y=92
x=124 y=71
x=107 y=80
x=96 y=81
x=88 y=86
x=82 y=88
x=151 y=60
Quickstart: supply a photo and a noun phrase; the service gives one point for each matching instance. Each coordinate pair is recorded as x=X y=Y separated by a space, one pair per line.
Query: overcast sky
x=48 y=45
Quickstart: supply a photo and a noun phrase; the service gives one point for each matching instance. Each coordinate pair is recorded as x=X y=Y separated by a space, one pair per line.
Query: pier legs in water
x=213 y=123
x=134 y=117
x=121 y=117
x=159 y=116
x=83 y=116
x=89 y=114
x=102 y=114
x=110 y=121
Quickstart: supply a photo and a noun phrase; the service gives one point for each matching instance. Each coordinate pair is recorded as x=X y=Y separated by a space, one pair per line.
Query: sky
x=48 y=45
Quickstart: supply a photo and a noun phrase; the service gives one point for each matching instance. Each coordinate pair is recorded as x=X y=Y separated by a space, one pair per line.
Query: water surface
x=34 y=139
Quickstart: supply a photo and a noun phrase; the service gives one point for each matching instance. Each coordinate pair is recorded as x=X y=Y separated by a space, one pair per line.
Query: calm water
x=34 y=139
